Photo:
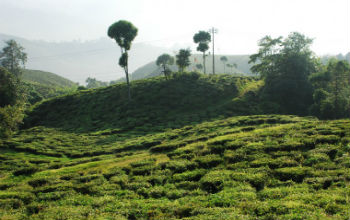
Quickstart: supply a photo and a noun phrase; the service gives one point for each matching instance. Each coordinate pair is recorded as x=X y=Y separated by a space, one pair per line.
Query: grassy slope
x=46 y=78
x=43 y=85
x=175 y=167
x=156 y=104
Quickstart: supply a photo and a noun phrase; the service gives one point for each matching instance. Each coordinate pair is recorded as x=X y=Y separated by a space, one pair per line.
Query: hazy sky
x=241 y=23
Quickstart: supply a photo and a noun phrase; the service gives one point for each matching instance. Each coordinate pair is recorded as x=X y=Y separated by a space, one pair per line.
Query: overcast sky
x=240 y=23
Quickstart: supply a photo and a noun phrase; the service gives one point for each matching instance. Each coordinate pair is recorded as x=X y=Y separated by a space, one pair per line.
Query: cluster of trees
x=12 y=95
x=298 y=82
x=331 y=96
x=92 y=83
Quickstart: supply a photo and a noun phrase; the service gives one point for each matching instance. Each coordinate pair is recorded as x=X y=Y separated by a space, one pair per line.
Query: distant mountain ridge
x=77 y=60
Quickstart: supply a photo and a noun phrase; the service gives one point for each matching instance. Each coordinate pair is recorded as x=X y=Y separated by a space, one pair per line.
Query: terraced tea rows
x=247 y=167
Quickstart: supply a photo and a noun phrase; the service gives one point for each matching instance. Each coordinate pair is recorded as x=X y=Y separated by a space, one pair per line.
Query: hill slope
x=174 y=152
x=245 y=167
x=41 y=85
x=46 y=79
x=156 y=104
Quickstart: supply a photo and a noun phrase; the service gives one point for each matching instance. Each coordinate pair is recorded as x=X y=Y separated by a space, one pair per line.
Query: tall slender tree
x=123 y=32
x=163 y=61
x=202 y=38
x=224 y=60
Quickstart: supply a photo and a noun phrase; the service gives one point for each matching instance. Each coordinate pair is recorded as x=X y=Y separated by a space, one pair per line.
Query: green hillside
x=156 y=104
x=43 y=85
x=192 y=147
x=244 y=167
x=46 y=78
x=243 y=68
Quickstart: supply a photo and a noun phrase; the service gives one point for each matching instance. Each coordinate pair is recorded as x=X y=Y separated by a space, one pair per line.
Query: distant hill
x=243 y=68
x=41 y=85
x=78 y=60
x=46 y=78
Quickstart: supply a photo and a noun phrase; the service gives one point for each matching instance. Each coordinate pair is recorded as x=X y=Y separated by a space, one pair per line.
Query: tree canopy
x=13 y=57
x=183 y=59
x=331 y=90
x=285 y=65
x=164 y=60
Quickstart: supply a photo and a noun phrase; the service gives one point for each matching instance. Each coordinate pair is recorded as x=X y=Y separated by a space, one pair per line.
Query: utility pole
x=213 y=31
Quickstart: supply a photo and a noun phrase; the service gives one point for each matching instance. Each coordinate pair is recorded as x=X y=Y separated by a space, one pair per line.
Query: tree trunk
x=204 y=63
x=127 y=82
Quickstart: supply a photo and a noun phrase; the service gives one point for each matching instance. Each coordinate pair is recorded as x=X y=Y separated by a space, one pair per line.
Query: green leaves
x=182 y=59
x=164 y=60
x=123 y=60
x=124 y=32
x=12 y=57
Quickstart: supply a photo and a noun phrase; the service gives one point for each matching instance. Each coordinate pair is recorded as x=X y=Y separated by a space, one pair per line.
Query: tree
x=183 y=59
x=123 y=32
x=332 y=90
x=285 y=65
x=8 y=88
x=93 y=83
x=202 y=38
x=199 y=66
x=163 y=61
x=224 y=60
x=11 y=103
x=13 y=57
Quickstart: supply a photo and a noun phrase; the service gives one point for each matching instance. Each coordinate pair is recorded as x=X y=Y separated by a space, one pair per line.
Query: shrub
x=25 y=171
x=38 y=182
x=297 y=174
x=209 y=161
x=194 y=175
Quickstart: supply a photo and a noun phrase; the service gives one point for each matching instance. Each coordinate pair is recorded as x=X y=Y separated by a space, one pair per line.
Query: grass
x=80 y=158
x=243 y=167
x=46 y=78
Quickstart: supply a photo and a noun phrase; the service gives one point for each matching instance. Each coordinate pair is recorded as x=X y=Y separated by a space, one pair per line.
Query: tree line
x=296 y=81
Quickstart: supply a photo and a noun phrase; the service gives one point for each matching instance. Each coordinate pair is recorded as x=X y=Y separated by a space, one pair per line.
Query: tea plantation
x=193 y=147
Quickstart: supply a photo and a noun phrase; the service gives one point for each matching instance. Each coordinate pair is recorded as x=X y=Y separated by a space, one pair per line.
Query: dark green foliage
x=25 y=171
x=156 y=104
x=11 y=103
x=285 y=66
x=9 y=91
x=182 y=59
x=331 y=94
x=164 y=61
